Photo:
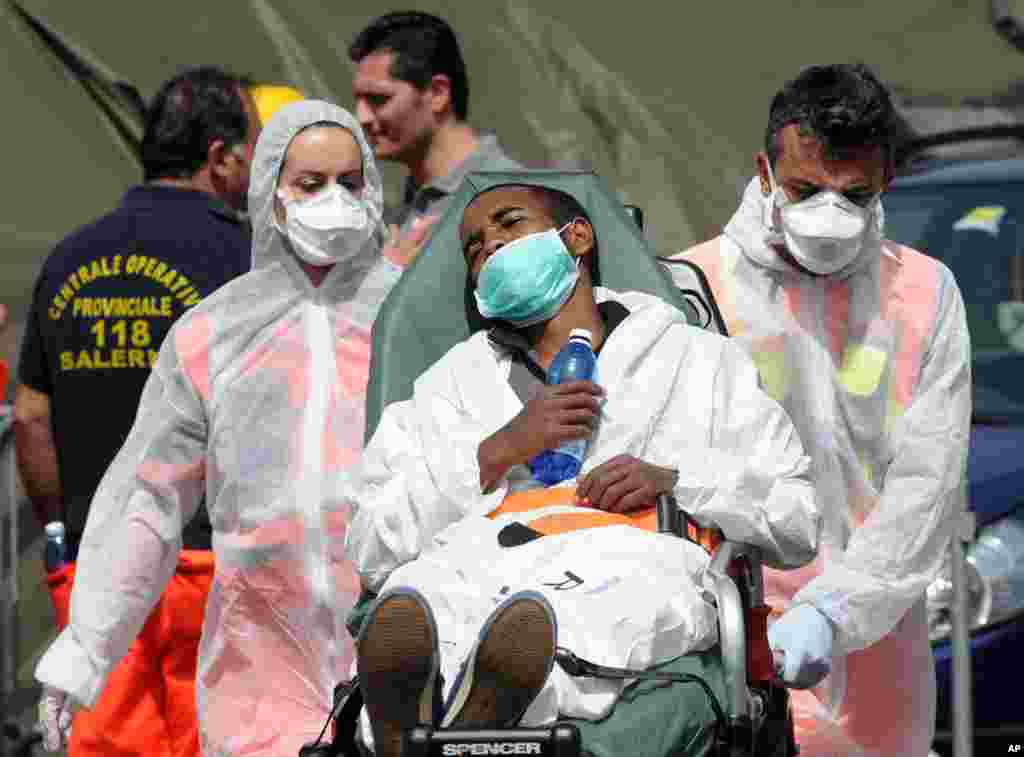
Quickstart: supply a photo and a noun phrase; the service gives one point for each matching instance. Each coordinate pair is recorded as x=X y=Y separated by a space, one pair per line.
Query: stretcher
x=722 y=702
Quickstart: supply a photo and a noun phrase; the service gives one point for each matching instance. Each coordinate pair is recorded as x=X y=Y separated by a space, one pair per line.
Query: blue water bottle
x=56 y=552
x=576 y=361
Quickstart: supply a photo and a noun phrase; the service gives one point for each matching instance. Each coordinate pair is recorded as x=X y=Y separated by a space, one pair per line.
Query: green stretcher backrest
x=428 y=311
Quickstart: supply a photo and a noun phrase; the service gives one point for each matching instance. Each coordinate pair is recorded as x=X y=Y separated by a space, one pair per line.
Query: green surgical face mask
x=529 y=280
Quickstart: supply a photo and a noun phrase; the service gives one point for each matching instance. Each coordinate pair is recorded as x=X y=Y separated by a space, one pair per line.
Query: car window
x=978 y=232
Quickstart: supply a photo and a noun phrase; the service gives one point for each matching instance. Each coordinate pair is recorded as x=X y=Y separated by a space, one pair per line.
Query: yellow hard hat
x=270 y=97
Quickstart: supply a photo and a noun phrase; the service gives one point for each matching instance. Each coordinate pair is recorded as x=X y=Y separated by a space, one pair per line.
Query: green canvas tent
x=666 y=101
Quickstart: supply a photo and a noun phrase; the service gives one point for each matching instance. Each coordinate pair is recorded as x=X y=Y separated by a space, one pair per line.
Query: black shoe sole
x=397 y=661
x=508 y=670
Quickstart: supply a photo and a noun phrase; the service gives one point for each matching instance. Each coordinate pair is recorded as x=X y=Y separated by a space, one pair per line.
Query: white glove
x=56 y=711
x=805 y=637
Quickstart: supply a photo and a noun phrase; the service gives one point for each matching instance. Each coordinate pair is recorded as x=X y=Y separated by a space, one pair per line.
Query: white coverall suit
x=677 y=396
x=258 y=394
x=873 y=365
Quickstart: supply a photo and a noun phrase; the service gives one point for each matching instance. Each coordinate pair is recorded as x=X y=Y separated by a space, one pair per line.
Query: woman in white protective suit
x=864 y=342
x=257 y=396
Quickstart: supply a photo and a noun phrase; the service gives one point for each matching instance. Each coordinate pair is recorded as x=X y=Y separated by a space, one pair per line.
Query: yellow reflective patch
x=861 y=369
x=771 y=364
x=983 y=218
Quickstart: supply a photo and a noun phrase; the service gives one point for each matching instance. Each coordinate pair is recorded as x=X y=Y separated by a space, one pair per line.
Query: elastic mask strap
x=768 y=217
x=576 y=257
x=573 y=220
x=772 y=184
x=287 y=204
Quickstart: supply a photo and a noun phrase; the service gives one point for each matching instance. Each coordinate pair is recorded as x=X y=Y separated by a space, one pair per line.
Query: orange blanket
x=533 y=508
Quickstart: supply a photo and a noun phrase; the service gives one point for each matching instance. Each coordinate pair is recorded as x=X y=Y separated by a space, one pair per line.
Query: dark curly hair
x=843 y=106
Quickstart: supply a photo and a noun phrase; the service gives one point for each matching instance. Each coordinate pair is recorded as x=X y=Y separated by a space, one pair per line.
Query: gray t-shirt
x=432 y=198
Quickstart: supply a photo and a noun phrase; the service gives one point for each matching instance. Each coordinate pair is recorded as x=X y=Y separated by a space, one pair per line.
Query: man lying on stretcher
x=472 y=600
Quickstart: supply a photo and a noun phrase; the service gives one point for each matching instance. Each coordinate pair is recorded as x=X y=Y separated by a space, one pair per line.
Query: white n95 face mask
x=824 y=233
x=331 y=226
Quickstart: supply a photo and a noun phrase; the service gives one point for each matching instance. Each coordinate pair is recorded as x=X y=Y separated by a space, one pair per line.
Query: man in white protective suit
x=678 y=411
x=256 y=401
x=865 y=343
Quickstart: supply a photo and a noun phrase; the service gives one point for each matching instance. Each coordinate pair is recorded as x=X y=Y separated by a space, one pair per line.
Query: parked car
x=969 y=213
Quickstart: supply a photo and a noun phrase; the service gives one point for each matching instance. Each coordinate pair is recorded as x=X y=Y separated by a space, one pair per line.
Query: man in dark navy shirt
x=104 y=301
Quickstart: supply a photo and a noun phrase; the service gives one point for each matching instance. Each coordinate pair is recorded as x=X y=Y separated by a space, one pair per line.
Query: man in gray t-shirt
x=412 y=96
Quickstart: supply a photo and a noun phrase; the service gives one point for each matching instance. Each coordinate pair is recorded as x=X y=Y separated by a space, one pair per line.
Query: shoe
x=507 y=667
x=397 y=659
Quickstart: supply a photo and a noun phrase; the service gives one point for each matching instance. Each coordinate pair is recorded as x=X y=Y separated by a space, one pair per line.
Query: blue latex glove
x=805 y=636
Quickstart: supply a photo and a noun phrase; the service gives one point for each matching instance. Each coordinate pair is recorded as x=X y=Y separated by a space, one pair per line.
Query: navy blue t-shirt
x=103 y=303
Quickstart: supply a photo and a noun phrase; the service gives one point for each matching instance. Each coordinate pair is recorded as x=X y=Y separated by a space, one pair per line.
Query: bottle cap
x=582 y=334
x=54 y=528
